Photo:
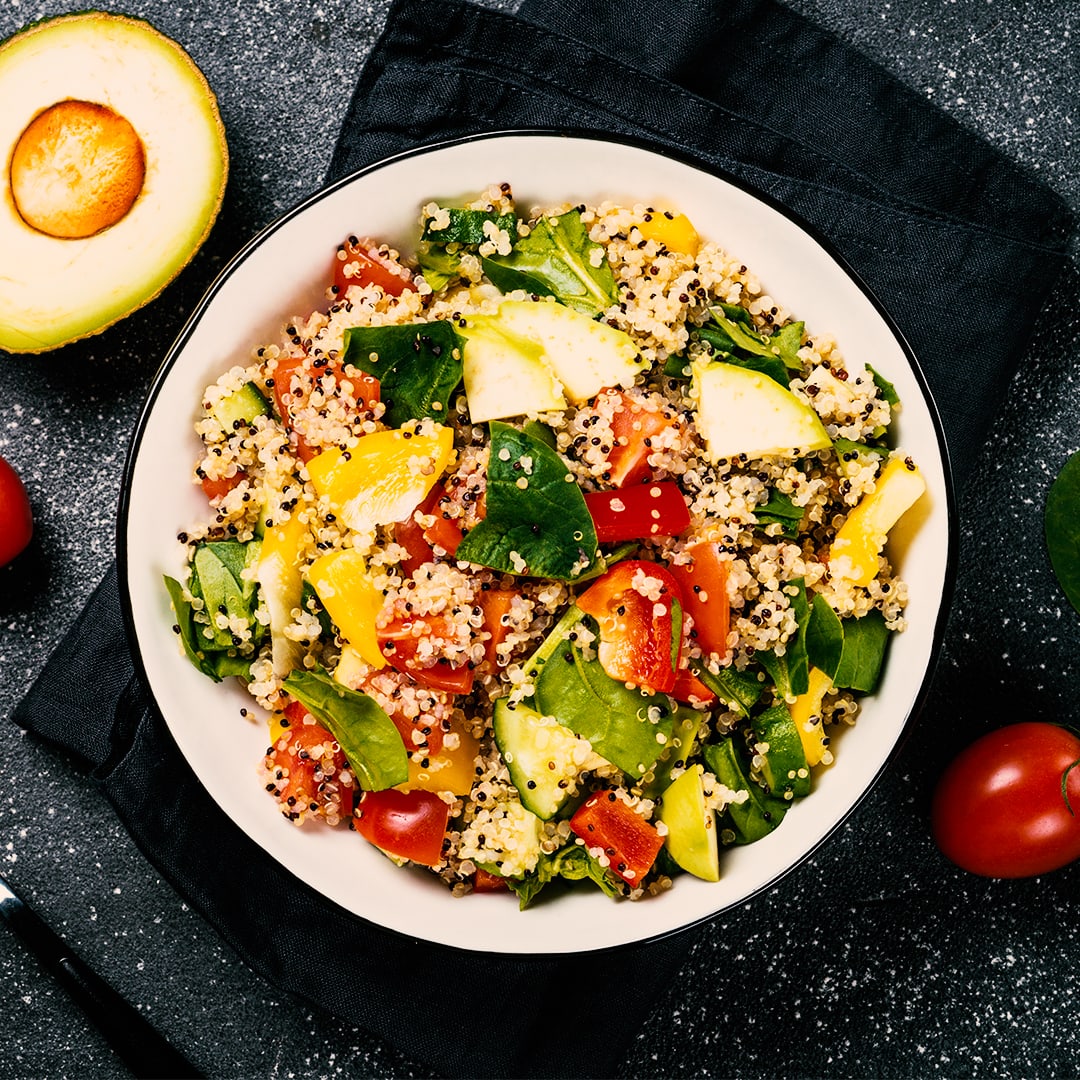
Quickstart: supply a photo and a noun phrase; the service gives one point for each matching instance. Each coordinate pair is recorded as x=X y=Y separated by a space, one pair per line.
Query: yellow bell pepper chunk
x=806 y=712
x=279 y=575
x=452 y=770
x=278 y=726
x=859 y=541
x=345 y=589
x=384 y=477
x=672 y=230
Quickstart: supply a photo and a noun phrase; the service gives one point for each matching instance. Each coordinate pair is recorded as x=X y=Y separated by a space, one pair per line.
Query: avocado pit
x=76 y=169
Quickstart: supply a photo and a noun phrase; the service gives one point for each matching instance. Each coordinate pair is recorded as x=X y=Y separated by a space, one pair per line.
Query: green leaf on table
x=537 y=523
x=558 y=259
x=365 y=733
x=418 y=366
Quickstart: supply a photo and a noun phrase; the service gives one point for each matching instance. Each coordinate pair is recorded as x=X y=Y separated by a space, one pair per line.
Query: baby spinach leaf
x=1061 y=525
x=615 y=720
x=824 y=637
x=466 y=226
x=846 y=449
x=570 y=863
x=418 y=366
x=537 y=523
x=779 y=509
x=739 y=690
x=556 y=259
x=790 y=672
x=365 y=733
x=438 y=265
x=728 y=334
x=189 y=630
x=865 y=642
x=885 y=388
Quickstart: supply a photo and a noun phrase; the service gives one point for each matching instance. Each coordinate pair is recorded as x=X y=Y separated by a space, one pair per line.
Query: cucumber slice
x=543 y=757
x=241 y=405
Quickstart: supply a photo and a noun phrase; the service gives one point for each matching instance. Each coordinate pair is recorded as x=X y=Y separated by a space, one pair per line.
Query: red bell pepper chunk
x=630 y=843
x=705 y=598
x=400 y=642
x=495 y=604
x=639 y=512
x=636 y=623
x=690 y=690
x=485 y=881
x=634 y=427
x=407 y=824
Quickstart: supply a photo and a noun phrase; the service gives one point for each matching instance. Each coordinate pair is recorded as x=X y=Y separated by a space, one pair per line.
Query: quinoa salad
x=551 y=550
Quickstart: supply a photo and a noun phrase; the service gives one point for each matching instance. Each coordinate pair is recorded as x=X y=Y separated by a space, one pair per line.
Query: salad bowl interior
x=283 y=273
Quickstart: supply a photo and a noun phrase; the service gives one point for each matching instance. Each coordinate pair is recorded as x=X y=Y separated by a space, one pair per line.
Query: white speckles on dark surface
x=873 y=958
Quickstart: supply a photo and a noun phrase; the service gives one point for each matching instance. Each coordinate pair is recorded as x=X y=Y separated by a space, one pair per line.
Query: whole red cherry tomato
x=1009 y=805
x=16 y=520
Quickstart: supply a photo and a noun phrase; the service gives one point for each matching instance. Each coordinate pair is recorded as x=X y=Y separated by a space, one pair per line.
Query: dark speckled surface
x=875 y=958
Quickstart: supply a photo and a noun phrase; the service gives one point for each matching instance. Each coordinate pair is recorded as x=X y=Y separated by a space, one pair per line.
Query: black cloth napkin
x=958 y=243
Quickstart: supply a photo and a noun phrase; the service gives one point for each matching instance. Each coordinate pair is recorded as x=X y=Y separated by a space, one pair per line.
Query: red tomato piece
x=444 y=532
x=690 y=690
x=219 y=488
x=634 y=427
x=410 y=536
x=630 y=843
x=16 y=518
x=488 y=882
x=496 y=607
x=406 y=824
x=705 y=598
x=639 y=512
x=400 y=643
x=304 y=770
x=1000 y=808
x=362 y=262
x=635 y=623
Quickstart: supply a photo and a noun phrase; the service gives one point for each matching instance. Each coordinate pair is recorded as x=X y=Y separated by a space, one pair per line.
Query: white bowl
x=282 y=273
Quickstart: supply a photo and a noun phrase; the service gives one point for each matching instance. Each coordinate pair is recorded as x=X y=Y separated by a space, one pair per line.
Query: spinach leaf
x=570 y=863
x=1061 y=525
x=537 y=523
x=556 y=259
x=418 y=367
x=846 y=449
x=779 y=509
x=677 y=367
x=824 y=637
x=790 y=673
x=438 y=265
x=615 y=720
x=739 y=690
x=865 y=642
x=466 y=226
x=365 y=733
x=190 y=636
x=885 y=388
x=782 y=344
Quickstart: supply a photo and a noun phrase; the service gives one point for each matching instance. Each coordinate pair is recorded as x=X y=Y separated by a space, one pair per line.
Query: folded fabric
x=945 y=231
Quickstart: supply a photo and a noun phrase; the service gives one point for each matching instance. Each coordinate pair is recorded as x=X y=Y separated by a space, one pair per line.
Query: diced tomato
x=690 y=690
x=410 y=536
x=488 y=882
x=361 y=262
x=444 y=532
x=220 y=487
x=304 y=770
x=630 y=843
x=400 y=642
x=639 y=512
x=705 y=598
x=406 y=824
x=365 y=391
x=635 y=628
x=496 y=604
x=634 y=427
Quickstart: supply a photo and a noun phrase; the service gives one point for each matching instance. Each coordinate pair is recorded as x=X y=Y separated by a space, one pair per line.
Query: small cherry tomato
x=16 y=520
x=1008 y=805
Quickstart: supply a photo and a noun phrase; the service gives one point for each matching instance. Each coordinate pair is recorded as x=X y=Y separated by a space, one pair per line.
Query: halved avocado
x=115 y=165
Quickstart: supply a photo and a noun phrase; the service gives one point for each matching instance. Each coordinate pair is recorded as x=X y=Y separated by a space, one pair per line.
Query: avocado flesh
x=54 y=290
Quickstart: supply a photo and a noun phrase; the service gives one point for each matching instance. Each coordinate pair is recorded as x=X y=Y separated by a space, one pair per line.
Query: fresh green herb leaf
x=537 y=523
x=615 y=720
x=824 y=637
x=556 y=259
x=779 y=509
x=885 y=388
x=570 y=863
x=365 y=733
x=865 y=642
x=418 y=367
x=1061 y=525
x=761 y=812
